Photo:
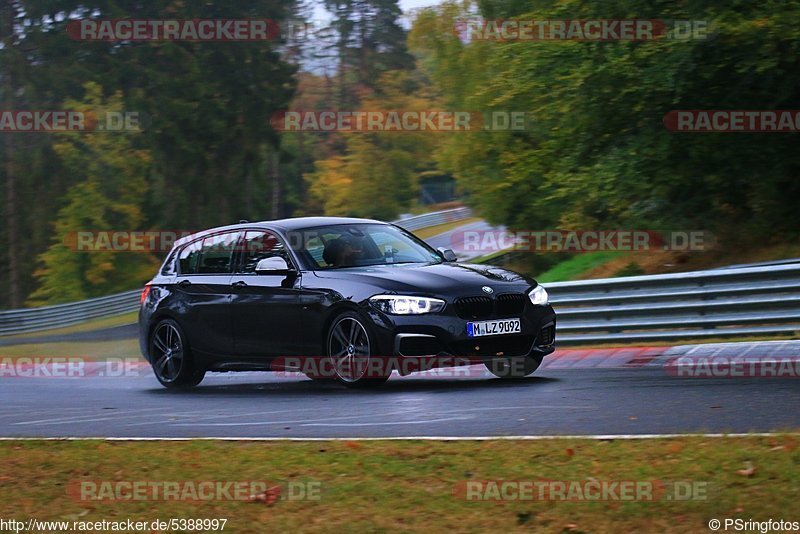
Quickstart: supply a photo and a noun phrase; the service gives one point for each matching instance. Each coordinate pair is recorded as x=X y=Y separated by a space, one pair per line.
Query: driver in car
x=341 y=252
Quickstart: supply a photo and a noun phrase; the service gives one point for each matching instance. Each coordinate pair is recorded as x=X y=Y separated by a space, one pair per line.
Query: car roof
x=297 y=223
x=294 y=223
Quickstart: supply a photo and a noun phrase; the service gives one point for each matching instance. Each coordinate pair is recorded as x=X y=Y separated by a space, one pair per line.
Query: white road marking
x=80 y=418
x=198 y=419
x=295 y=421
x=378 y=416
x=389 y=423
x=600 y=437
x=50 y=423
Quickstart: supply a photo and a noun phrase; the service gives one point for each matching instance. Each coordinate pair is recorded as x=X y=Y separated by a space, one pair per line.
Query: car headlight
x=406 y=305
x=538 y=296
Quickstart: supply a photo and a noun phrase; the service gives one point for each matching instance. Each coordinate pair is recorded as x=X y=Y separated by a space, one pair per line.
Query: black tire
x=518 y=367
x=349 y=346
x=171 y=357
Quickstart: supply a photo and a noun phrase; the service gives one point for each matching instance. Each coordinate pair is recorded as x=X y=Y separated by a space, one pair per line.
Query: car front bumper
x=445 y=336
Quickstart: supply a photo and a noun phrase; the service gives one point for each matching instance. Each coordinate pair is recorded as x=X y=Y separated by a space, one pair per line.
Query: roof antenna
x=243 y=221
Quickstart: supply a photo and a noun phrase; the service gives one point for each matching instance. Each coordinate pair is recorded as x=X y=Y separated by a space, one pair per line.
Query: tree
x=110 y=197
x=597 y=153
x=30 y=75
x=378 y=174
x=368 y=42
x=209 y=105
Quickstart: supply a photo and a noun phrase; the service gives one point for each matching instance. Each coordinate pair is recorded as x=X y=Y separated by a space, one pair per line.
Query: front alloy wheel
x=350 y=353
x=170 y=356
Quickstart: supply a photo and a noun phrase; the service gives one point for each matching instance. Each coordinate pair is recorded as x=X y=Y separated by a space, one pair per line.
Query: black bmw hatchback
x=335 y=298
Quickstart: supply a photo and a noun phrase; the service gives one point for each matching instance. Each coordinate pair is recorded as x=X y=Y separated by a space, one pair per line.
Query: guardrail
x=702 y=304
x=60 y=315
x=47 y=317
x=434 y=218
x=762 y=263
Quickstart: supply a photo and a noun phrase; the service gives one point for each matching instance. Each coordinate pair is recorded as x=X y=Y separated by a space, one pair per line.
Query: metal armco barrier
x=44 y=318
x=693 y=305
x=59 y=315
x=435 y=218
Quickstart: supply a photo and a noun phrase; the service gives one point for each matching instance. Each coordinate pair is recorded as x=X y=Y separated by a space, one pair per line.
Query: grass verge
x=377 y=486
x=95 y=350
x=489 y=258
x=573 y=268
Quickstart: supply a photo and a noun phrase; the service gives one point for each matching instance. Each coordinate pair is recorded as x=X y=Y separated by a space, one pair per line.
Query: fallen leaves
x=269 y=497
x=748 y=471
x=675 y=447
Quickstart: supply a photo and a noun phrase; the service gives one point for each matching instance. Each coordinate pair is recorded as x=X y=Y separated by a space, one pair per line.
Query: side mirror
x=273 y=265
x=448 y=254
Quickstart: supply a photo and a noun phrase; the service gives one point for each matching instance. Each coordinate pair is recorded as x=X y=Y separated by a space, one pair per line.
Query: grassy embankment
x=377 y=486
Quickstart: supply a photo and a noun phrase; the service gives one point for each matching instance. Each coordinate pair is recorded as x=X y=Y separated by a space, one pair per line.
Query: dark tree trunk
x=276 y=185
x=12 y=225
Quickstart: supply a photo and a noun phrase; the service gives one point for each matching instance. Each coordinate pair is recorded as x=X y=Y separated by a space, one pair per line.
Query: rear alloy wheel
x=517 y=367
x=171 y=358
x=349 y=348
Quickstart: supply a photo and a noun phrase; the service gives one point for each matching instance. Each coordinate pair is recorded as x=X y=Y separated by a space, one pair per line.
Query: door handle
x=240 y=283
x=184 y=283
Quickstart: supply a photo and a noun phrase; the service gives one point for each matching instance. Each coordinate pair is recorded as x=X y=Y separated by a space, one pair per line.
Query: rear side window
x=216 y=254
x=211 y=255
x=169 y=264
x=189 y=258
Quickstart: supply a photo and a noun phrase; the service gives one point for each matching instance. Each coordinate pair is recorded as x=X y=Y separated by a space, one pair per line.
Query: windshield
x=359 y=245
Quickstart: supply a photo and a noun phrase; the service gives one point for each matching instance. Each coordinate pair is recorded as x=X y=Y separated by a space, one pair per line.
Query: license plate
x=494 y=328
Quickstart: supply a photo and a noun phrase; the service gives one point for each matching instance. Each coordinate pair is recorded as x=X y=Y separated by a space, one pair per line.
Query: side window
x=259 y=245
x=169 y=264
x=315 y=248
x=217 y=253
x=189 y=257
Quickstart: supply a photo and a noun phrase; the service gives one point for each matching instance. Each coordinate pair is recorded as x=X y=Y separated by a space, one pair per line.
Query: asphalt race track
x=611 y=391
x=576 y=392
